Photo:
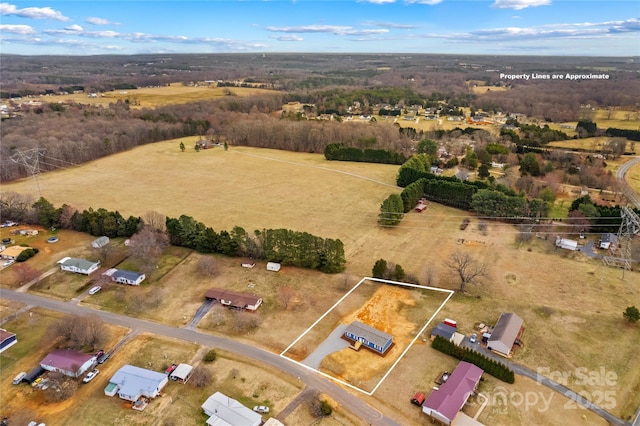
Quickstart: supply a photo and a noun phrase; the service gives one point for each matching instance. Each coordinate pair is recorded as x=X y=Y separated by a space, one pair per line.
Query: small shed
x=100 y=242
x=273 y=266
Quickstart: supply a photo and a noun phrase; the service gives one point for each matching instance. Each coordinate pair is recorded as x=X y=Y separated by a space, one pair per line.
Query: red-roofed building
x=445 y=403
x=68 y=362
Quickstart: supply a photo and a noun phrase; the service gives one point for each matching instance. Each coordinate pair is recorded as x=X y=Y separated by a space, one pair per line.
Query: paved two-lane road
x=631 y=194
x=352 y=403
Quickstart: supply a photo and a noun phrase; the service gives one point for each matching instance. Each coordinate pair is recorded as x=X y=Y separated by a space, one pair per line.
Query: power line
x=30 y=159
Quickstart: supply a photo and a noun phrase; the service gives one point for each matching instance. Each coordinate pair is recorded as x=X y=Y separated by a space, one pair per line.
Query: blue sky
x=494 y=27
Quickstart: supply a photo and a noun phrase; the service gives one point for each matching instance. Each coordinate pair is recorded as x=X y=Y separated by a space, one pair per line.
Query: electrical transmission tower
x=629 y=227
x=30 y=159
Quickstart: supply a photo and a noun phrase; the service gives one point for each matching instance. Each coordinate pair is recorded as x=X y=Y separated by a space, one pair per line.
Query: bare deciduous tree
x=285 y=296
x=60 y=388
x=155 y=220
x=208 y=266
x=78 y=332
x=467 y=268
x=147 y=245
x=201 y=377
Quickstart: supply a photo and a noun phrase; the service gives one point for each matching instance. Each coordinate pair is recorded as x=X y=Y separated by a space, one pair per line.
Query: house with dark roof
x=68 y=362
x=79 y=266
x=443 y=330
x=372 y=338
x=7 y=339
x=444 y=403
x=127 y=277
x=608 y=241
x=131 y=383
x=506 y=332
x=224 y=411
x=232 y=299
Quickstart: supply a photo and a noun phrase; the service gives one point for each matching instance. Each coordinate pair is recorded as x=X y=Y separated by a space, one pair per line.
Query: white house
x=127 y=277
x=79 y=266
x=132 y=382
x=608 y=241
x=227 y=411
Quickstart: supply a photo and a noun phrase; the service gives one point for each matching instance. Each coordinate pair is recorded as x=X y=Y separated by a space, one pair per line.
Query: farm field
x=569 y=303
x=152 y=97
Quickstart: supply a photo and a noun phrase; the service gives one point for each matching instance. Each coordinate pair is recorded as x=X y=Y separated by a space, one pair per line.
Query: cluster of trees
x=596 y=217
x=633 y=135
x=388 y=270
x=339 y=152
x=277 y=245
x=497 y=369
x=22 y=208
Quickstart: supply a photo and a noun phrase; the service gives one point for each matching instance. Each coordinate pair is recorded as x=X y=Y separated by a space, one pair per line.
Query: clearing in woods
x=394 y=307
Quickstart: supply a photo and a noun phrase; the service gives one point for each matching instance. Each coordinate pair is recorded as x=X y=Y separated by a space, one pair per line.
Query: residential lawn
x=20 y=401
x=594 y=144
x=71 y=243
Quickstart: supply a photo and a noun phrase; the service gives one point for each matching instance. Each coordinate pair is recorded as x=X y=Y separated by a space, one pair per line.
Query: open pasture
x=151 y=97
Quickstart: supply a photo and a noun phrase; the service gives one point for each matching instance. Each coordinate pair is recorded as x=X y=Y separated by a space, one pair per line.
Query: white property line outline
x=451 y=293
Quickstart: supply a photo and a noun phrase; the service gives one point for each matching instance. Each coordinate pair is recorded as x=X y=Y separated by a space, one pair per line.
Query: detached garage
x=182 y=373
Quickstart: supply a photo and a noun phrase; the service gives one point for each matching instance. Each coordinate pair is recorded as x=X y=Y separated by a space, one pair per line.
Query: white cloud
x=17 y=29
x=391 y=25
x=289 y=37
x=429 y=2
x=74 y=27
x=519 y=4
x=379 y=1
x=98 y=21
x=331 y=29
x=32 y=12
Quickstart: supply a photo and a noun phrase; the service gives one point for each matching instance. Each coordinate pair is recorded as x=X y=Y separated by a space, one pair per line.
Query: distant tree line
x=276 y=245
x=633 y=135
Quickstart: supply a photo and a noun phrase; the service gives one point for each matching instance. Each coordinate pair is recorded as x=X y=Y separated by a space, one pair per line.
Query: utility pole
x=30 y=159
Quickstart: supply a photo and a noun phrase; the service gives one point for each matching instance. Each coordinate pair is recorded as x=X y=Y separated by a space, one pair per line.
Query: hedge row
x=494 y=368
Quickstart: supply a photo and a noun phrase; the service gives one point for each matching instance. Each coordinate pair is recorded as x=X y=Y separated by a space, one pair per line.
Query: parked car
x=18 y=379
x=103 y=358
x=95 y=289
x=473 y=338
x=92 y=374
x=99 y=354
x=261 y=409
x=8 y=262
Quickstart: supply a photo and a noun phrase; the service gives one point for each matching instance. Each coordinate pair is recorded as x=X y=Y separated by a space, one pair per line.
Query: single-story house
x=68 y=362
x=273 y=266
x=443 y=330
x=7 y=339
x=608 y=241
x=506 y=332
x=127 y=277
x=224 y=411
x=12 y=252
x=372 y=338
x=133 y=382
x=100 y=242
x=444 y=403
x=182 y=373
x=232 y=299
x=79 y=266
